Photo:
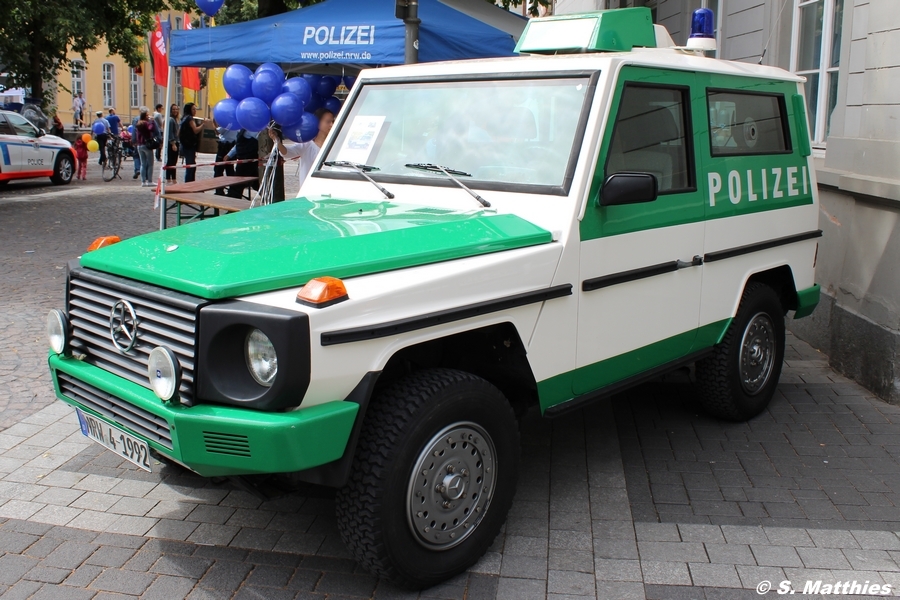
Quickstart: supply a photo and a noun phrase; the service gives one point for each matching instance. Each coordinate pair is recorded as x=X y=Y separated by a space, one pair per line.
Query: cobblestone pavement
x=642 y=496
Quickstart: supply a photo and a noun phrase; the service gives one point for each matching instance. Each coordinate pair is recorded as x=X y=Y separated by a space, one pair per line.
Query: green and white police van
x=477 y=239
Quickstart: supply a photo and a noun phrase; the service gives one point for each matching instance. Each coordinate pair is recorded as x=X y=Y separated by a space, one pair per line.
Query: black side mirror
x=41 y=132
x=628 y=188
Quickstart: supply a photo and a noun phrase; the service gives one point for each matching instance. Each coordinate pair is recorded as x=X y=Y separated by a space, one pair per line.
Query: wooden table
x=208 y=185
x=204 y=202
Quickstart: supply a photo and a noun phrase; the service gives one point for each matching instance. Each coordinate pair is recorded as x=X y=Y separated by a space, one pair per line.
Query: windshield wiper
x=451 y=173
x=362 y=170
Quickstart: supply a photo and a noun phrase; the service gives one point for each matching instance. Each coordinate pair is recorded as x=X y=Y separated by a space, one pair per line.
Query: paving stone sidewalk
x=593 y=515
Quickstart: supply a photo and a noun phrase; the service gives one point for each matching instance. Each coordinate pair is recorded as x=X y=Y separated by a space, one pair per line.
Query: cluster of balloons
x=92 y=144
x=256 y=98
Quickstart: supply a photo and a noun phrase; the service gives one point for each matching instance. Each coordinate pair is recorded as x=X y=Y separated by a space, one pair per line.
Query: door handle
x=695 y=262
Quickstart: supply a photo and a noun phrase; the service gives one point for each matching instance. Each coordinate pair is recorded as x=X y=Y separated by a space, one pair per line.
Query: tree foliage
x=37 y=35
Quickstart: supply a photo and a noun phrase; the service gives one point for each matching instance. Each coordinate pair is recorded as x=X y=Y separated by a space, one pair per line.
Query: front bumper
x=209 y=439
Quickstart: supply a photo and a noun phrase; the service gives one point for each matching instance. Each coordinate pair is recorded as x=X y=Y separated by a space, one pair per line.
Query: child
x=81 y=158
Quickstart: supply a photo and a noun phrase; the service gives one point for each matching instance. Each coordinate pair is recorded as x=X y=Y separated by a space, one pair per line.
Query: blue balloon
x=315 y=103
x=326 y=87
x=225 y=114
x=304 y=130
x=349 y=81
x=298 y=86
x=238 y=82
x=333 y=104
x=270 y=67
x=253 y=114
x=266 y=86
x=98 y=128
x=287 y=109
x=210 y=7
x=312 y=80
x=131 y=130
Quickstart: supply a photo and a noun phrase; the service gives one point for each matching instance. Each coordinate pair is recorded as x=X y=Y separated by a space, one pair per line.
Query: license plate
x=125 y=445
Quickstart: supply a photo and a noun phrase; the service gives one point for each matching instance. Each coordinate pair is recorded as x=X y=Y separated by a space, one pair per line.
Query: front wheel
x=63 y=170
x=739 y=379
x=433 y=477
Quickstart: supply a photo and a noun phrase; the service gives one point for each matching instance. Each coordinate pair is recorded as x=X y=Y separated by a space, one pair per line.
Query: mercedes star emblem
x=123 y=326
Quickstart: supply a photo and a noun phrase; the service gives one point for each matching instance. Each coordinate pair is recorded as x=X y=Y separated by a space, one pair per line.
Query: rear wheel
x=433 y=477
x=113 y=162
x=738 y=381
x=63 y=170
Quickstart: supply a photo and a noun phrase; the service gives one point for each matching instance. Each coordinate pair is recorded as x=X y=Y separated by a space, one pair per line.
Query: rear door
x=640 y=283
x=10 y=150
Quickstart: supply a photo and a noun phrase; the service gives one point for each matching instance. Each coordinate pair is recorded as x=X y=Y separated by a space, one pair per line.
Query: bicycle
x=114 y=157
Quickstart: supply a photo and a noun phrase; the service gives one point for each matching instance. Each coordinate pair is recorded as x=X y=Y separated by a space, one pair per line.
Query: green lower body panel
x=589 y=378
x=211 y=440
x=807 y=301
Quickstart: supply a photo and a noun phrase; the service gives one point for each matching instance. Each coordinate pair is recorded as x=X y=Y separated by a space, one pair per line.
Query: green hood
x=288 y=243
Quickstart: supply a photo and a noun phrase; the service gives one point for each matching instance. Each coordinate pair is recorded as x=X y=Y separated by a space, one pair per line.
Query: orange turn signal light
x=322 y=291
x=102 y=242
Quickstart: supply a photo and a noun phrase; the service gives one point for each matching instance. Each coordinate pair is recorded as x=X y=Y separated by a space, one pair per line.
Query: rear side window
x=5 y=128
x=649 y=137
x=742 y=123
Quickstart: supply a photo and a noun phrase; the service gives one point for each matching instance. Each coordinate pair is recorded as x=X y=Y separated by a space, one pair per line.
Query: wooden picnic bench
x=191 y=194
x=204 y=202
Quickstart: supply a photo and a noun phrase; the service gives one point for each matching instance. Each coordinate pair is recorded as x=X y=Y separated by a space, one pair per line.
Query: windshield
x=510 y=132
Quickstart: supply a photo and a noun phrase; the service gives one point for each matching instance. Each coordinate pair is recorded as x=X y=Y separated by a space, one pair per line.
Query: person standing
x=137 y=153
x=81 y=158
x=57 y=129
x=102 y=138
x=226 y=143
x=145 y=135
x=78 y=104
x=307 y=151
x=189 y=136
x=160 y=126
x=172 y=141
x=114 y=122
x=246 y=147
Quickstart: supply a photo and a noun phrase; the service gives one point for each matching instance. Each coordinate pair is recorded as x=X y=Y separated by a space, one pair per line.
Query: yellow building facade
x=108 y=82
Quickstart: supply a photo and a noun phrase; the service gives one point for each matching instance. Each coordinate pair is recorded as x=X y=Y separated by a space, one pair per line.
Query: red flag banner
x=159 y=53
x=190 y=76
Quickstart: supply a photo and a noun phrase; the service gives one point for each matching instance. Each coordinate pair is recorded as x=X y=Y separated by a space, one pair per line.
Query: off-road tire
x=63 y=169
x=721 y=391
x=399 y=424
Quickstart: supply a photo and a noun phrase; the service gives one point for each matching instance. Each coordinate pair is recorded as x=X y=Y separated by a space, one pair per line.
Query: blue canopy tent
x=353 y=34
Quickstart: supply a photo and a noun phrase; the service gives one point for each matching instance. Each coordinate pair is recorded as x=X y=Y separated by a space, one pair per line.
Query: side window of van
x=649 y=137
x=742 y=123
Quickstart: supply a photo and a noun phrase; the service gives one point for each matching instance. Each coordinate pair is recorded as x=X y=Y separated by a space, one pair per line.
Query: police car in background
x=27 y=152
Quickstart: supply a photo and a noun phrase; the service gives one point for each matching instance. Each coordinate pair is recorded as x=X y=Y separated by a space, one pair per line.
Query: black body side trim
x=596 y=283
x=337 y=472
x=749 y=248
x=371 y=332
x=620 y=386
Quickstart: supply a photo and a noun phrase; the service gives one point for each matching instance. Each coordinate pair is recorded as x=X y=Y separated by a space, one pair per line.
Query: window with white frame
x=109 y=99
x=77 y=77
x=816 y=54
x=134 y=90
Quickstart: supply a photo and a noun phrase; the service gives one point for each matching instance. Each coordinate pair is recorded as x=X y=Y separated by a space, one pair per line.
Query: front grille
x=165 y=318
x=233 y=444
x=117 y=410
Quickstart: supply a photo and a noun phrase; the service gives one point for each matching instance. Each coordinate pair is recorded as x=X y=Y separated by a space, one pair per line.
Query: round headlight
x=261 y=358
x=57 y=330
x=164 y=373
